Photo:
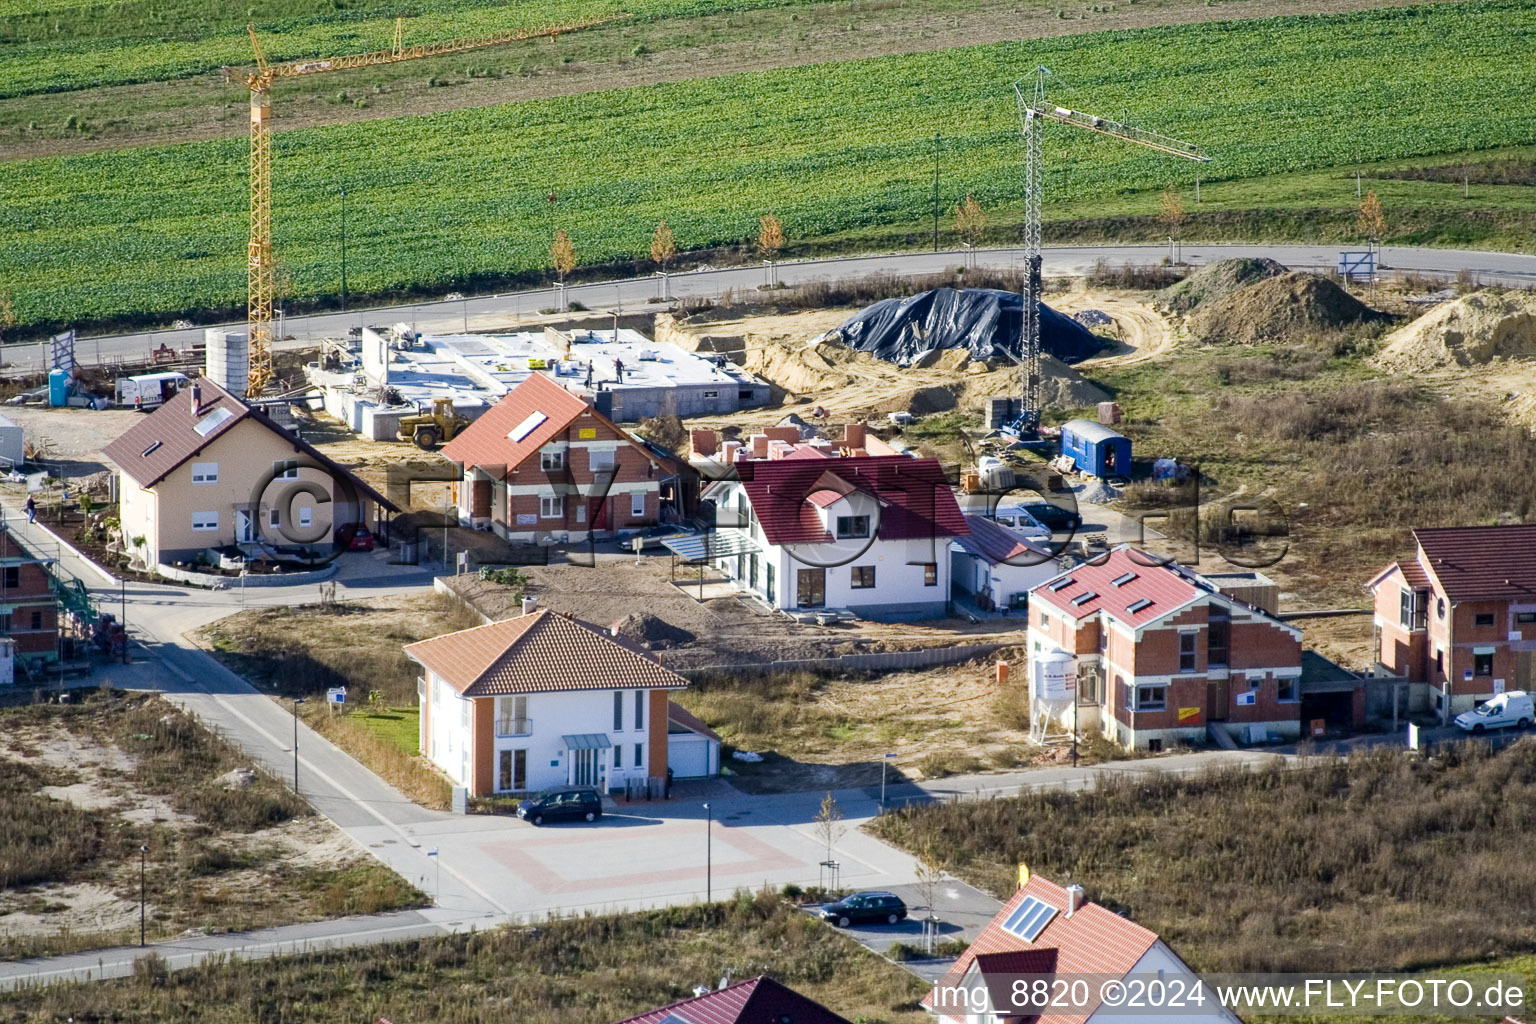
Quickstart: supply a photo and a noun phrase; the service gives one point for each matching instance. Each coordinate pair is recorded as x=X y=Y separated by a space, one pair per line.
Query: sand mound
x=1277 y=308
x=1064 y=387
x=1215 y=281
x=1471 y=331
x=650 y=632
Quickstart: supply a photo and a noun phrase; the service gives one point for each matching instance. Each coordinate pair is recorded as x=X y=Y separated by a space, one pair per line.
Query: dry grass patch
x=1377 y=861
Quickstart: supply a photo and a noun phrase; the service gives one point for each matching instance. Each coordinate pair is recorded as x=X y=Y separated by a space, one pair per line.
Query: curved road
x=634 y=294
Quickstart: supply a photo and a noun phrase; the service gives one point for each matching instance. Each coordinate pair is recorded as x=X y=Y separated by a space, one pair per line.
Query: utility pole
x=143 y=853
x=296 y=702
x=708 y=864
x=123 y=597
x=936 y=139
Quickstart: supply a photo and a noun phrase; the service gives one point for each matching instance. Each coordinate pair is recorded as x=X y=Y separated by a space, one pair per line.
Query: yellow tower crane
x=259 y=265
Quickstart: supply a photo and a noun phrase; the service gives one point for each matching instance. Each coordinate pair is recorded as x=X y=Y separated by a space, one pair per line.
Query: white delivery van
x=1512 y=708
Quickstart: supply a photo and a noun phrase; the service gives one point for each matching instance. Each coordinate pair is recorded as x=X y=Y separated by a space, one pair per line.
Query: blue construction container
x=58 y=388
x=1096 y=450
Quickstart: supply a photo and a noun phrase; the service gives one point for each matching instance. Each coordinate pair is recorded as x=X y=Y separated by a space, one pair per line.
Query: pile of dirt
x=1473 y=330
x=650 y=632
x=1277 y=309
x=1065 y=388
x=1215 y=281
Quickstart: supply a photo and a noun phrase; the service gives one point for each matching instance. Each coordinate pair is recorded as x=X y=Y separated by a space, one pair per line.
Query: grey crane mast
x=1034 y=112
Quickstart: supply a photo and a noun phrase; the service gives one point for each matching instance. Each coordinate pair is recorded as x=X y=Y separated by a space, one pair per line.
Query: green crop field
x=438 y=201
x=77 y=44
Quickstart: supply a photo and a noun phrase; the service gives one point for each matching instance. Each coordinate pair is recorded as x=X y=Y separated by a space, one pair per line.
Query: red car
x=362 y=539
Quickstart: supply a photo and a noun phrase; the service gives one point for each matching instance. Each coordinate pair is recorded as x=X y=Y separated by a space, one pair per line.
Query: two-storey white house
x=818 y=527
x=544 y=700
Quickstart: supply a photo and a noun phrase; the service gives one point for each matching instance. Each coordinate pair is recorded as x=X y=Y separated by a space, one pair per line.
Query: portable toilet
x=58 y=388
x=1095 y=449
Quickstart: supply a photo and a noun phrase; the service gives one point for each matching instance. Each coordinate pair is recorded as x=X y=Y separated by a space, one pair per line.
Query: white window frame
x=712 y=394
x=602 y=460
x=306 y=516
x=466 y=712
x=551 y=506
x=637 y=504
x=205 y=472
x=285 y=469
x=1161 y=706
x=552 y=461
x=205 y=522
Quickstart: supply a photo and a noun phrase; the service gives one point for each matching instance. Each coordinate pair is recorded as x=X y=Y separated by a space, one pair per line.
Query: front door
x=600 y=514
x=243 y=531
x=811 y=588
x=480 y=500
x=584 y=768
x=1217 y=695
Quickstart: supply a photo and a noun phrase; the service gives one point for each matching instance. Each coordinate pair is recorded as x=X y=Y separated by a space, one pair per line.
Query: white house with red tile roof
x=543 y=462
x=1053 y=932
x=543 y=700
x=1160 y=654
x=996 y=566
x=1460 y=615
x=759 y=1000
x=816 y=530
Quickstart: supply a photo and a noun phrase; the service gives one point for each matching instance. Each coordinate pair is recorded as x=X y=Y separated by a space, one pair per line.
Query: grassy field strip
x=448 y=198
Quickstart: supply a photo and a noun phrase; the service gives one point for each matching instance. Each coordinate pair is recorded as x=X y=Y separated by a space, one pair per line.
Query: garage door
x=688 y=755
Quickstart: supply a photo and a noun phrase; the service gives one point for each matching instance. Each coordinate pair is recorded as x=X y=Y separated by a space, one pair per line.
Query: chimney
x=854 y=435
x=1074 y=899
x=197 y=399
x=530 y=605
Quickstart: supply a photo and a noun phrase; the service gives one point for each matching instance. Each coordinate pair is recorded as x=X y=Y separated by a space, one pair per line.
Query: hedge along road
x=439 y=200
x=634 y=294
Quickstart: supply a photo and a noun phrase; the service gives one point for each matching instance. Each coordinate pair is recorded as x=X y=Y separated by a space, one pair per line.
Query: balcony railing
x=514 y=727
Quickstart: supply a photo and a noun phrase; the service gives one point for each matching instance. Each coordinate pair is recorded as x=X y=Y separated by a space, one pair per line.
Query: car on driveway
x=361 y=539
x=1507 y=709
x=1053 y=517
x=562 y=803
x=866 y=908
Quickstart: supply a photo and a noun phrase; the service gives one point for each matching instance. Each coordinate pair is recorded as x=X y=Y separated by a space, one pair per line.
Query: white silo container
x=227 y=359
x=1055 y=676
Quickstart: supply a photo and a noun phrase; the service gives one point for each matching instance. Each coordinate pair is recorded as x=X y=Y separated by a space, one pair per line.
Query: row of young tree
x=1370 y=219
x=970 y=221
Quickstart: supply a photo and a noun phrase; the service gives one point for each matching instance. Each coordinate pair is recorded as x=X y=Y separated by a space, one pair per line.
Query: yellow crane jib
x=260 y=267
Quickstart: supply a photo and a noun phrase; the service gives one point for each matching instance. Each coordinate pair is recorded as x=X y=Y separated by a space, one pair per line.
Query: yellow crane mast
x=259 y=265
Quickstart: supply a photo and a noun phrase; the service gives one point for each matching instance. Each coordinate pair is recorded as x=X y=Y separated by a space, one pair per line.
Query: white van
x=1512 y=708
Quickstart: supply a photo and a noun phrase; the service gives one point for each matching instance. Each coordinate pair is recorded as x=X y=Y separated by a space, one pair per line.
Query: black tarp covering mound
x=983 y=320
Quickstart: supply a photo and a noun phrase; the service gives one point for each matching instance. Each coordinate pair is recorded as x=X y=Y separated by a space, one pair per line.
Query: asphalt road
x=633 y=295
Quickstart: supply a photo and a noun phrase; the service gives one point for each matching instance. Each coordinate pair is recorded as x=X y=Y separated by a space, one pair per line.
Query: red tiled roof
x=915 y=497
x=997 y=968
x=1092 y=941
x=758 y=1000
x=166 y=439
x=487 y=443
x=1167 y=588
x=539 y=653
x=685 y=718
x=996 y=542
x=1479 y=563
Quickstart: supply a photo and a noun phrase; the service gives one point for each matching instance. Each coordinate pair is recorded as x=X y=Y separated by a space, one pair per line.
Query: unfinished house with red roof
x=1460 y=615
x=811 y=528
x=759 y=1000
x=1161 y=655
x=1050 y=932
x=543 y=463
x=543 y=700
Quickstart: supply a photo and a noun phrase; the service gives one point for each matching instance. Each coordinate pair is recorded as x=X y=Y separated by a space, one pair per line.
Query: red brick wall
x=631 y=466
x=1263 y=645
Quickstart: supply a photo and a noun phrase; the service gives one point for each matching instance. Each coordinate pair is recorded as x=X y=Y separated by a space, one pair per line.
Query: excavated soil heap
x=1215 y=281
x=1471 y=331
x=650 y=632
x=1277 y=309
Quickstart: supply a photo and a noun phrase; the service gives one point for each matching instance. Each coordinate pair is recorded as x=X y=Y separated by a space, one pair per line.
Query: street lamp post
x=708 y=863
x=143 y=854
x=123 y=598
x=884 y=760
x=343 y=250
x=296 y=702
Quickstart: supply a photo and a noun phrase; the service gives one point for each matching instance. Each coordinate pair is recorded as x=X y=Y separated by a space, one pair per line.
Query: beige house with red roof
x=543 y=462
x=1460 y=615
x=1055 y=933
x=1160 y=654
x=207 y=471
x=543 y=700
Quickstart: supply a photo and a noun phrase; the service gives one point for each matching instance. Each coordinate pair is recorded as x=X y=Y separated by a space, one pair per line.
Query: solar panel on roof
x=1029 y=919
x=1063 y=584
x=526 y=427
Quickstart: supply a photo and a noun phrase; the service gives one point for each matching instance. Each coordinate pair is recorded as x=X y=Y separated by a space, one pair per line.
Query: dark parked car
x=1053 y=517
x=865 y=908
x=568 y=803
